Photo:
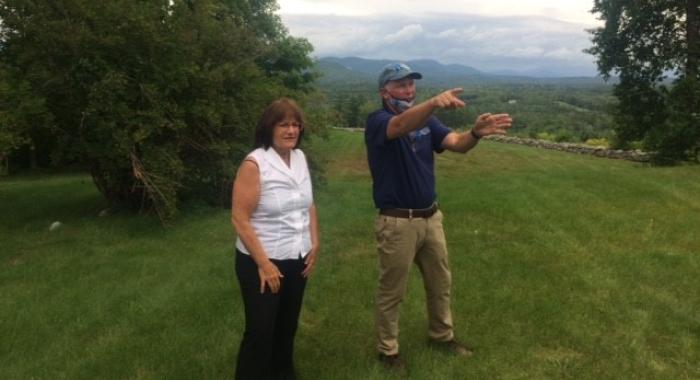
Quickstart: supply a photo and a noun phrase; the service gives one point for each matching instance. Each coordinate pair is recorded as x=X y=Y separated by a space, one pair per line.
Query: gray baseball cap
x=396 y=71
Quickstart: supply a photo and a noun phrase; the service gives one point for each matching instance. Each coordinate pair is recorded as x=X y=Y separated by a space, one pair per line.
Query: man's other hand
x=489 y=124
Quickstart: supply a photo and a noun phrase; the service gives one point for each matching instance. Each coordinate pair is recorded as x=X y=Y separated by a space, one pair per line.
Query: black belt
x=410 y=212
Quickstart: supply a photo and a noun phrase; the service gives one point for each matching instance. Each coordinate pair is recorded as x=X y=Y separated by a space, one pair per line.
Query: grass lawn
x=563 y=266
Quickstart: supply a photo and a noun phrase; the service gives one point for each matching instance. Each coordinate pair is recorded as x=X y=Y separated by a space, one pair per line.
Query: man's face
x=404 y=89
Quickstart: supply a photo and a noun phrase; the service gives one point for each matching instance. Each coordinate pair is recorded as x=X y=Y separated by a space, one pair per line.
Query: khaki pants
x=400 y=242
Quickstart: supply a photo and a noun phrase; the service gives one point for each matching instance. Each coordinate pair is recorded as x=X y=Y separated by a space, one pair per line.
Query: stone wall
x=631 y=155
x=598 y=151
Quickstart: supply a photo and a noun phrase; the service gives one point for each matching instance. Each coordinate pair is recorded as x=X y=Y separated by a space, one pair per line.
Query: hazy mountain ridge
x=360 y=70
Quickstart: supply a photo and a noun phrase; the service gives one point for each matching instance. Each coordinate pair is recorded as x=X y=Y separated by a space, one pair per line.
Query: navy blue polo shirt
x=402 y=169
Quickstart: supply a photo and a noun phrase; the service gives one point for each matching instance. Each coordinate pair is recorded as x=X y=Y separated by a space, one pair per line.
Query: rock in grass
x=55 y=225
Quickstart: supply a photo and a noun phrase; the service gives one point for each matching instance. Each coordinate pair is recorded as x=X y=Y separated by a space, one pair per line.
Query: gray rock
x=55 y=226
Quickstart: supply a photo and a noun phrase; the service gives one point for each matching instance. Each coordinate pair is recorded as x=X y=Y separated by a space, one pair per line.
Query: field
x=563 y=266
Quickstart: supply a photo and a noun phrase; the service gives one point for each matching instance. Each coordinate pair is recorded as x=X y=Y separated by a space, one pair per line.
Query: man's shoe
x=393 y=363
x=454 y=347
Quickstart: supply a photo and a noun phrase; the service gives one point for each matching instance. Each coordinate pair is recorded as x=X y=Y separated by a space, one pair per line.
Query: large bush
x=158 y=98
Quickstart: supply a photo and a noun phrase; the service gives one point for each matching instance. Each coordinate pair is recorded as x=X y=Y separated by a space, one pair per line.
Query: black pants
x=271 y=320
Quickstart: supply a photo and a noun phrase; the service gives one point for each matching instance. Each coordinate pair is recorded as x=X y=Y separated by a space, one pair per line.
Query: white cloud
x=562 y=53
x=449 y=34
x=569 y=10
x=524 y=52
x=471 y=34
x=486 y=43
x=407 y=33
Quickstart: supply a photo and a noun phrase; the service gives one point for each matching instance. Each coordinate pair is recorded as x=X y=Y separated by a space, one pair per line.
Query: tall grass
x=563 y=266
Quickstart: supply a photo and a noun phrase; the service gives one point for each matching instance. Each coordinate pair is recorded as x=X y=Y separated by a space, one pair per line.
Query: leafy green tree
x=645 y=44
x=351 y=113
x=24 y=119
x=159 y=98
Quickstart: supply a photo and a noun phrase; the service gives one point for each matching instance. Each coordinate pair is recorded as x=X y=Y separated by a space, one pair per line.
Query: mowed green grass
x=563 y=266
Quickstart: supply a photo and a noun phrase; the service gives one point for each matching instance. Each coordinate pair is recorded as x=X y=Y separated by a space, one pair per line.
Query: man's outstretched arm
x=485 y=125
x=416 y=116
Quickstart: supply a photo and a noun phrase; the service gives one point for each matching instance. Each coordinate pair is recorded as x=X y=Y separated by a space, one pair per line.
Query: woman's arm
x=310 y=260
x=244 y=201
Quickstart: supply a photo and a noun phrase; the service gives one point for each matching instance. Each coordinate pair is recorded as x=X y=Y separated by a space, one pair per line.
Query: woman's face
x=286 y=134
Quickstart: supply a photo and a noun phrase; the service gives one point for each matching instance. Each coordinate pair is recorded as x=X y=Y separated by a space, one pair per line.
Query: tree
x=24 y=119
x=351 y=112
x=159 y=98
x=647 y=44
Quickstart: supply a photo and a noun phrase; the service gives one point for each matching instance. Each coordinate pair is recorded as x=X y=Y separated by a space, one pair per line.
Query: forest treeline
x=545 y=111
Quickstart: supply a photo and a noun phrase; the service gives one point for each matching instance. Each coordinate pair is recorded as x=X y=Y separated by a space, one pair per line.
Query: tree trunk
x=4 y=165
x=32 y=156
x=693 y=40
x=692 y=35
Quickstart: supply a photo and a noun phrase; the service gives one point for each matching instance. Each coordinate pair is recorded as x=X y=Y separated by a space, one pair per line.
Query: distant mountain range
x=360 y=70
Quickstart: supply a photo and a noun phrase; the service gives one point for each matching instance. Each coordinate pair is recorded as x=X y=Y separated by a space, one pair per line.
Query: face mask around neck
x=400 y=105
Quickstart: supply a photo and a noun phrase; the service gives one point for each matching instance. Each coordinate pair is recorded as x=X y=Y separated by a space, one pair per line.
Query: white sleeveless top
x=281 y=219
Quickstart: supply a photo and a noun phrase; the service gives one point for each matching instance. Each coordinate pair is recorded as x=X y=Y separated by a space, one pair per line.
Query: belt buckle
x=410 y=213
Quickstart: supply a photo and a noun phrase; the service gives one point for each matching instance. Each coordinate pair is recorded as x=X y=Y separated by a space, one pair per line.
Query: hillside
x=563 y=110
x=336 y=70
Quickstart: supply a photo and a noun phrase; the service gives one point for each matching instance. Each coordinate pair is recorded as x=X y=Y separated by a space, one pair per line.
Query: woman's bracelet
x=474 y=135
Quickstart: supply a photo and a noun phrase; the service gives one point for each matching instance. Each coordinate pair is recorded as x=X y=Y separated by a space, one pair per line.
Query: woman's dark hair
x=273 y=114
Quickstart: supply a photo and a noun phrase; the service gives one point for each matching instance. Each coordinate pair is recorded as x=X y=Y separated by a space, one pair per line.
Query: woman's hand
x=310 y=262
x=270 y=275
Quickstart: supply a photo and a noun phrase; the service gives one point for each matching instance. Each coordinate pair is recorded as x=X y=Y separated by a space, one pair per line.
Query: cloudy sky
x=543 y=38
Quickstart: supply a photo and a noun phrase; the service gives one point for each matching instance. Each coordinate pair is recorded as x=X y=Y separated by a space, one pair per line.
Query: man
x=401 y=138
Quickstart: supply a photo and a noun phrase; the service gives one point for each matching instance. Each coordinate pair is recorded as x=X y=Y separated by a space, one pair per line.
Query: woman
x=275 y=218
